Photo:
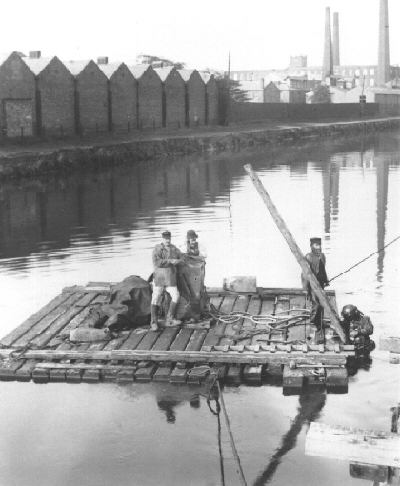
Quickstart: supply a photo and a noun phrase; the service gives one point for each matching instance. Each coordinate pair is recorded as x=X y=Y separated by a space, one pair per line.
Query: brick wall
x=197 y=99
x=55 y=85
x=92 y=99
x=150 y=100
x=174 y=89
x=212 y=101
x=17 y=82
x=123 y=90
x=253 y=112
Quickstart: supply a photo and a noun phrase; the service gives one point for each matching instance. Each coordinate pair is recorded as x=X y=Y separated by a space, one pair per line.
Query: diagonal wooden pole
x=315 y=286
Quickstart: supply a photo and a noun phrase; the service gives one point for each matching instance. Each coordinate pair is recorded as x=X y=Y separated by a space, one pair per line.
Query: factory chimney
x=383 y=72
x=327 y=68
x=335 y=47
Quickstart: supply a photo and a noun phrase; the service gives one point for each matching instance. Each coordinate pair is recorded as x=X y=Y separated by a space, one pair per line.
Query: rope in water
x=364 y=259
x=231 y=439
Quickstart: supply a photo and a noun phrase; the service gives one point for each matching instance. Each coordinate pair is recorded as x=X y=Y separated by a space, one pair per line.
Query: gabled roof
x=164 y=72
x=109 y=69
x=76 y=67
x=138 y=70
x=37 y=65
x=5 y=55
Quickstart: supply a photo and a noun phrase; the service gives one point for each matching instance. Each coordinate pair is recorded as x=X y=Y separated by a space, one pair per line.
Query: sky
x=259 y=34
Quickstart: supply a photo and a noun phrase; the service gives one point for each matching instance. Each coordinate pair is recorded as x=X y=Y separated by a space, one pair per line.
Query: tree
x=321 y=94
x=236 y=92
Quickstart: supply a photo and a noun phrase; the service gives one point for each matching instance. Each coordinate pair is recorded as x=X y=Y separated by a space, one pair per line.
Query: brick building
x=91 y=97
x=55 y=95
x=17 y=97
x=196 y=97
x=149 y=96
x=211 y=98
x=174 y=89
x=123 y=100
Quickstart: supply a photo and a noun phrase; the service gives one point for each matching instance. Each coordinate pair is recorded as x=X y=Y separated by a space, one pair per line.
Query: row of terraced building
x=47 y=97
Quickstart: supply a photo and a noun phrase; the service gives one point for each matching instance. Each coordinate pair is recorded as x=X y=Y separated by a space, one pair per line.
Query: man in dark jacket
x=317 y=262
x=166 y=257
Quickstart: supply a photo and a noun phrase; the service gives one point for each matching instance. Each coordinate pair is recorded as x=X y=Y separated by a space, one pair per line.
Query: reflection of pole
x=305 y=267
x=310 y=406
x=382 y=185
x=228 y=92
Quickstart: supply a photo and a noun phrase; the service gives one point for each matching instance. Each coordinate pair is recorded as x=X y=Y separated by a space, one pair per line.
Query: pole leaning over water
x=315 y=286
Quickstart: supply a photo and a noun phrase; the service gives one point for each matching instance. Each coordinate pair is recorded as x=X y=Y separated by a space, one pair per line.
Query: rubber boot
x=154 y=318
x=170 y=320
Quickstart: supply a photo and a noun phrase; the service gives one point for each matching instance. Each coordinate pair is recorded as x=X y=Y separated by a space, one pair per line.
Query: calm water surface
x=102 y=227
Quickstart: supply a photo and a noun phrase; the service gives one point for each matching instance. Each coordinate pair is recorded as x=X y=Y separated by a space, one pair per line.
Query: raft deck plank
x=49 y=308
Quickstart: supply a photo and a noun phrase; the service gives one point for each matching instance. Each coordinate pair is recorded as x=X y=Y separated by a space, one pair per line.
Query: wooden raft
x=184 y=354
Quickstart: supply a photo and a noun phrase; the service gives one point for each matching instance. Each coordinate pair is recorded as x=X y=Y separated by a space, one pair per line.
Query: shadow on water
x=309 y=409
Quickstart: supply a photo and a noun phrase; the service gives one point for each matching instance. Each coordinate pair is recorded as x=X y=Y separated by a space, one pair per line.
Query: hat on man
x=315 y=241
x=191 y=234
x=166 y=234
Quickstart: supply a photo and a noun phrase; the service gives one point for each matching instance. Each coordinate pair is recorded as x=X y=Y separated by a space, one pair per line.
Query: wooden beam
x=389 y=343
x=245 y=357
x=315 y=286
x=369 y=447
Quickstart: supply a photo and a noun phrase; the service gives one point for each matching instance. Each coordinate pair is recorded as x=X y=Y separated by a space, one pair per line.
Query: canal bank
x=51 y=157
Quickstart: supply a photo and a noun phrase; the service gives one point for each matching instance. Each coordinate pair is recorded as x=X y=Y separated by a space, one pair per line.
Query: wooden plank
x=23 y=328
x=253 y=309
x=179 y=374
x=245 y=357
x=58 y=324
x=196 y=340
x=165 y=339
x=267 y=308
x=282 y=305
x=163 y=372
x=9 y=368
x=47 y=320
x=389 y=343
x=227 y=307
x=181 y=340
x=294 y=248
x=74 y=375
x=370 y=447
x=337 y=380
x=216 y=329
x=145 y=374
x=80 y=320
x=376 y=474
x=25 y=372
x=292 y=380
x=58 y=375
x=234 y=375
x=252 y=374
x=111 y=346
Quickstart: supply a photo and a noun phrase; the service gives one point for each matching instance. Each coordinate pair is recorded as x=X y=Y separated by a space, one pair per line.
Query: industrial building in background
x=376 y=82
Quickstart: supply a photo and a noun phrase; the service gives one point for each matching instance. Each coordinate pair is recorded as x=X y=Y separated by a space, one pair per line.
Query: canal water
x=102 y=226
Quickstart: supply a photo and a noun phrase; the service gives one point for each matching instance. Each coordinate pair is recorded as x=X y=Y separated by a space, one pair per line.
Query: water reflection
x=309 y=409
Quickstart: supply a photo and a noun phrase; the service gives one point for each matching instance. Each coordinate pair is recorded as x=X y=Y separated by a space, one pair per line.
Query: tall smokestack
x=327 y=68
x=335 y=47
x=383 y=73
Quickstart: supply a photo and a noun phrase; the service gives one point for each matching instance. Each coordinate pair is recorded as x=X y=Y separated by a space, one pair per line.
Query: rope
x=365 y=259
x=228 y=425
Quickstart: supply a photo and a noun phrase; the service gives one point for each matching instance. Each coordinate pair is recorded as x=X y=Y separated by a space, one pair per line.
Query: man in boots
x=317 y=262
x=166 y=257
